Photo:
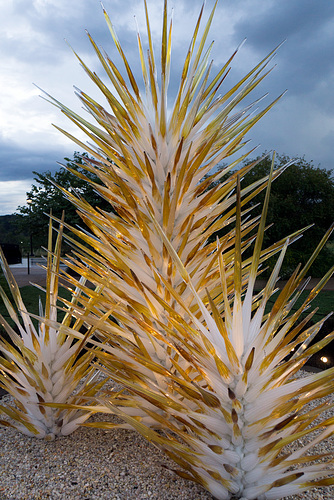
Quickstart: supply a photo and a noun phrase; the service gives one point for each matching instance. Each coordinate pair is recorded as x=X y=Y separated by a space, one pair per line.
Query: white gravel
x=94 y=464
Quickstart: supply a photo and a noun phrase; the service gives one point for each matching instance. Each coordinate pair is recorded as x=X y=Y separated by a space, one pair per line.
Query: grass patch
x=30 y=296
x=324 y=301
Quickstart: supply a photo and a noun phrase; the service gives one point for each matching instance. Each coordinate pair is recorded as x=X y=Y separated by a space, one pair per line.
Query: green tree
x=45 y=196
x=302 y=195
x=8 y=230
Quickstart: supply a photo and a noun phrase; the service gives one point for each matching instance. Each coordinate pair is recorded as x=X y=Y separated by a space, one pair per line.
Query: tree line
x=302 y=195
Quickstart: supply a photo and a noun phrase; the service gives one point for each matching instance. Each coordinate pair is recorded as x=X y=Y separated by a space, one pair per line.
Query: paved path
x=37 y=275
x=329 y=285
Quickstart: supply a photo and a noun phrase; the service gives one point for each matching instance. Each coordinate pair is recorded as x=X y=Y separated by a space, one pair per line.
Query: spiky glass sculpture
x=43 y=364
x=228 y=427
x=155 y=166
x=201 y=358
x=228 y=430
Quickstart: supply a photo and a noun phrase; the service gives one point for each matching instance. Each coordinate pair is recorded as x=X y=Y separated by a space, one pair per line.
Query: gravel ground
x=94 y=464
x=90 y=464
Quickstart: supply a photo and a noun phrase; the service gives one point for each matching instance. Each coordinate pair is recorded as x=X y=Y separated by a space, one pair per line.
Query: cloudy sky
x=34 y=50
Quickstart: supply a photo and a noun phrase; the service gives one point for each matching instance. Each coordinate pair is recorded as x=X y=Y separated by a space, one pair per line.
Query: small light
x=324 y=359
